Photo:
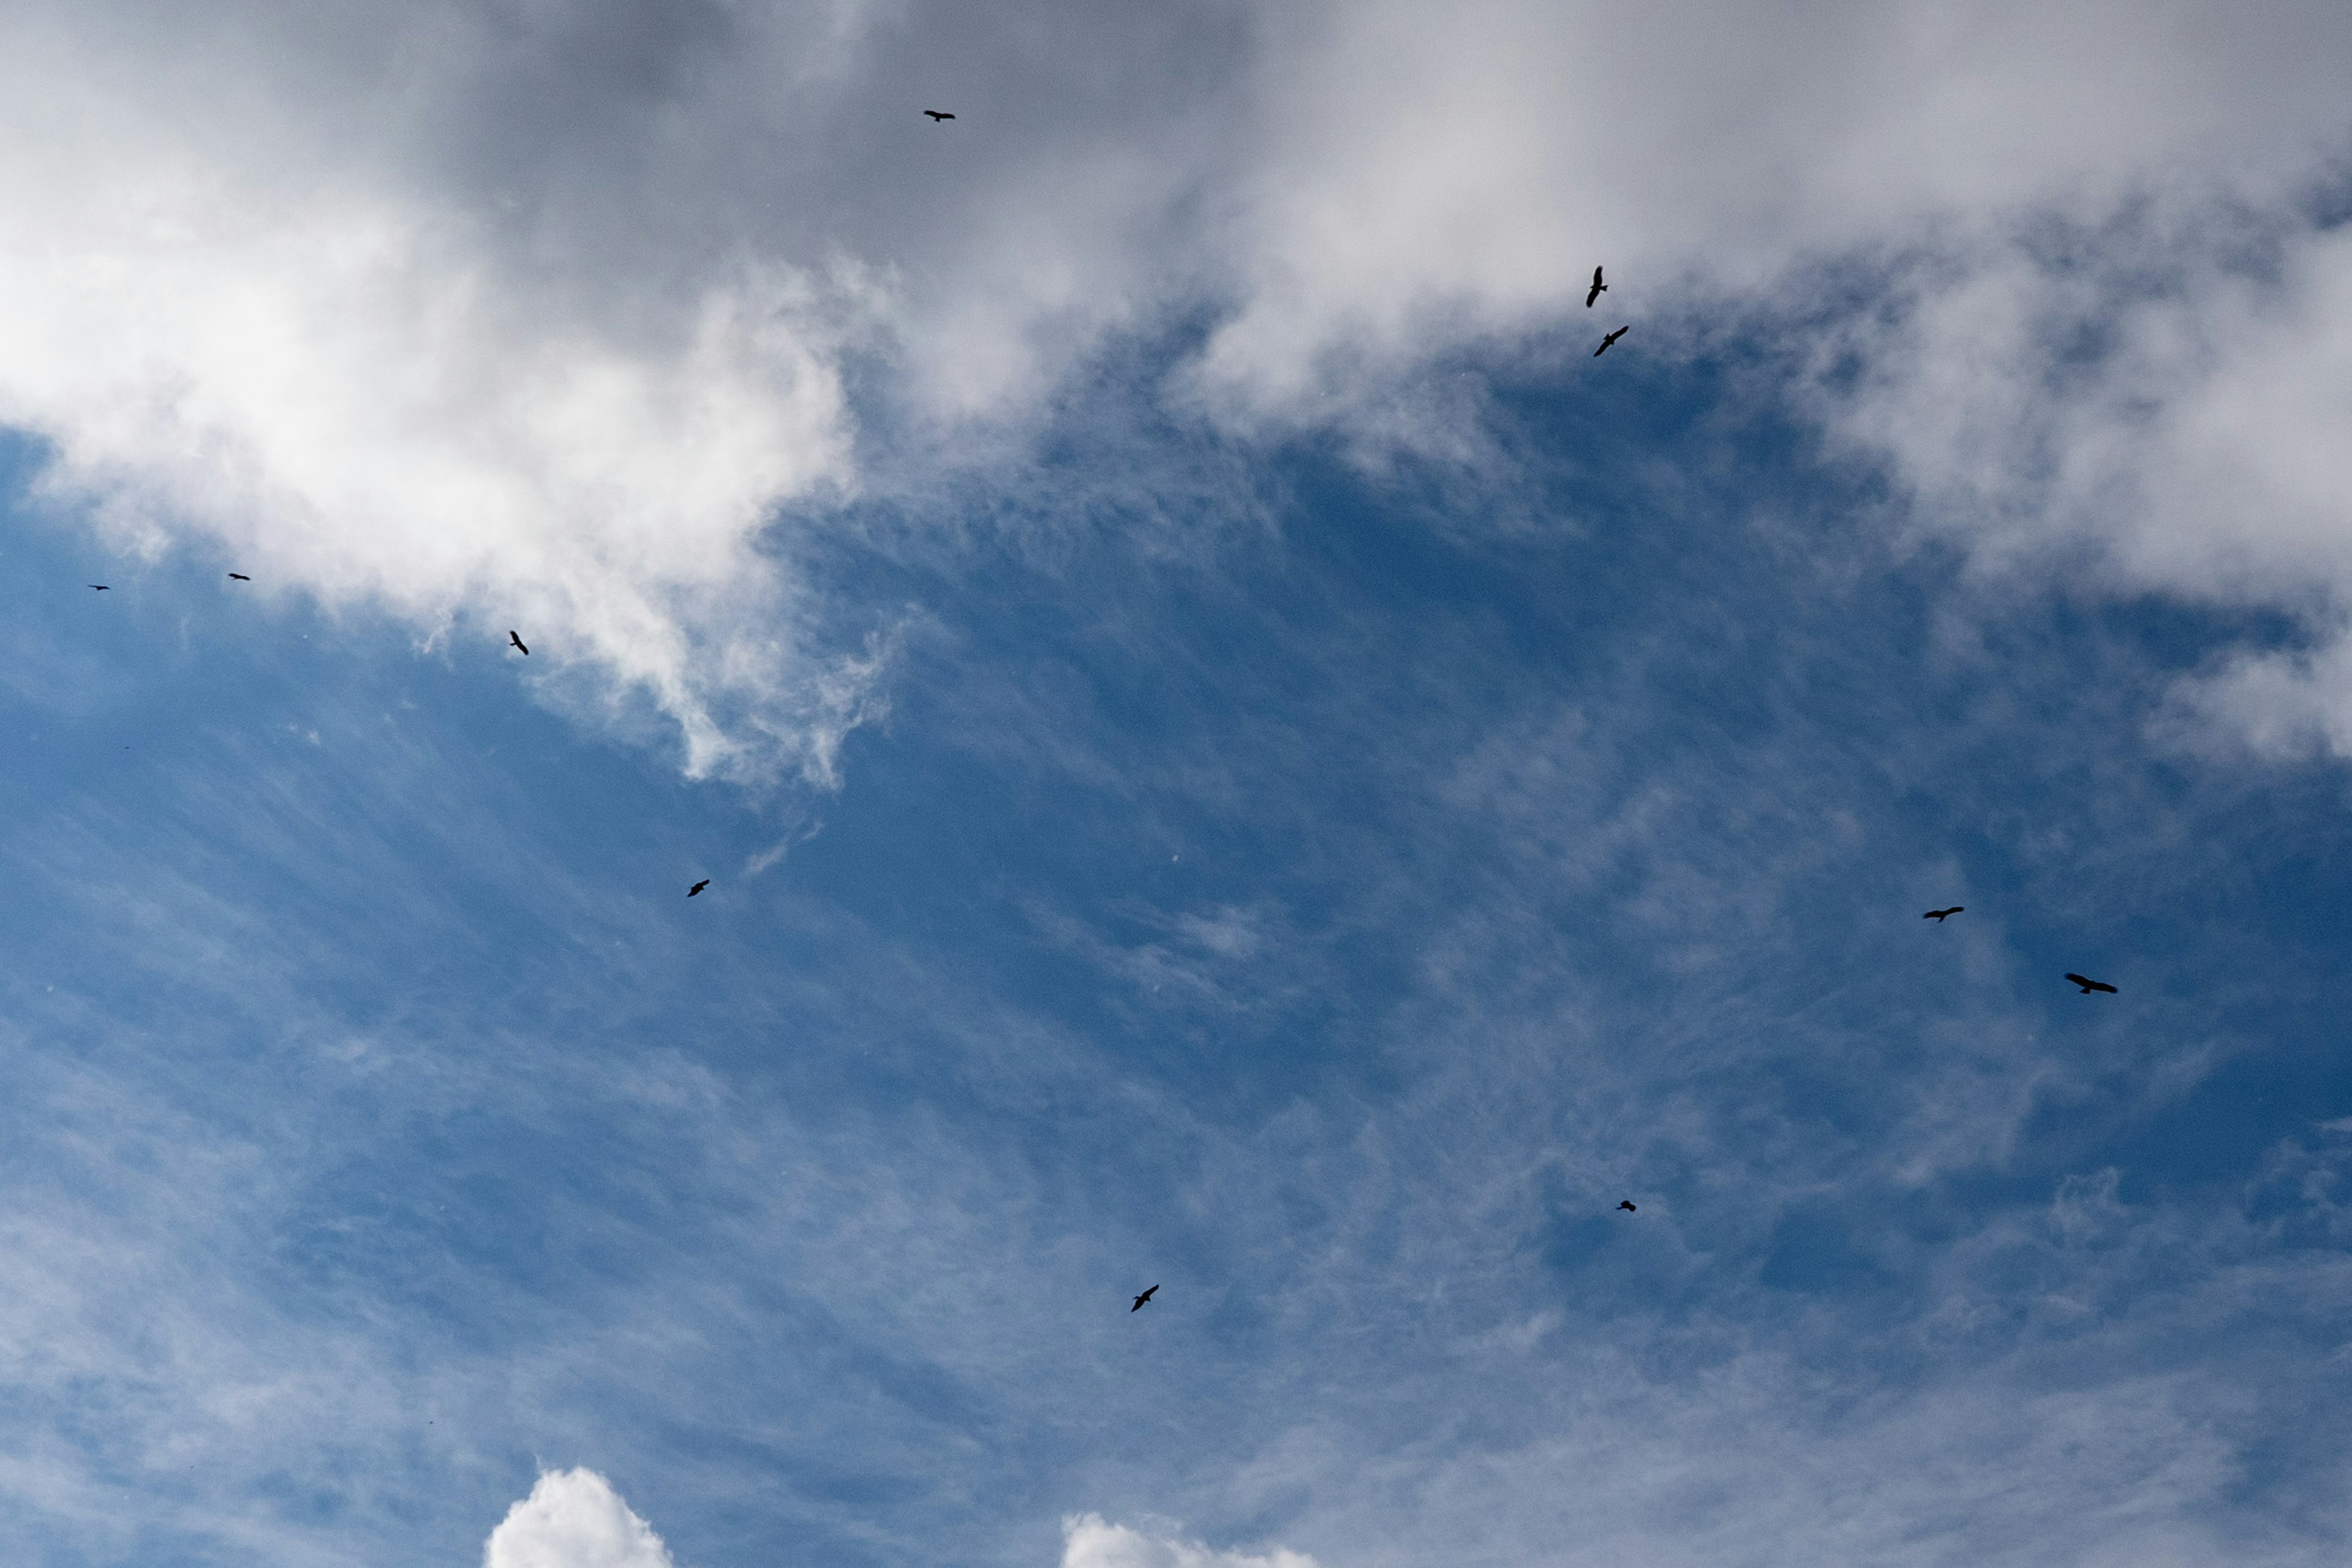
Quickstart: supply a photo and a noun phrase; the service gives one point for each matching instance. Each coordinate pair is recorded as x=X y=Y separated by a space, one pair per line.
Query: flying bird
x=1610 y=339
x=697 y=886
x=99 y=586
x=1140 y=1301
x=938 y=114
x=1598 y=290
x=2090 y=985
x=1627 y=1205
x=517 y=640
x=238 y=577
x=1940 y=916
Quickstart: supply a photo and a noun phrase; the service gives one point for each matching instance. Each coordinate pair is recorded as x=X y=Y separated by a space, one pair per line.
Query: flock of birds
x=1597 y=288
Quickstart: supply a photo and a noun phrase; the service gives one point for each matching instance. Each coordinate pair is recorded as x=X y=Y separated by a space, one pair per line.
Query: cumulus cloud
x=1089 y=1542
x=2153 y=404
x=573 y=1519
x=584 y=312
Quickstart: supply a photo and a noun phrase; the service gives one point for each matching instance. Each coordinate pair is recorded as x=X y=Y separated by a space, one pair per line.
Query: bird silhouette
x=1940 y=916
x=1627 y=1205
x=99 y=586
x=938 y=114
x=1610 y=339
x=239 y=577
x=517 y=640
x=1598 y=290
x=697 y=886
x=2090 y=985
x=1140 y=1301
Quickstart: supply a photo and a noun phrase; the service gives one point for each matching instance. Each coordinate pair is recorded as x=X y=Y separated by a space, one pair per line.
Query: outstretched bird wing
x=240 y=577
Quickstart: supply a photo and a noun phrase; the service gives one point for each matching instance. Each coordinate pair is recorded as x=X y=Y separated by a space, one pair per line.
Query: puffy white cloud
x=573 y=313
x=573 y=1519
x=2155 y=406
x=1091 y=1542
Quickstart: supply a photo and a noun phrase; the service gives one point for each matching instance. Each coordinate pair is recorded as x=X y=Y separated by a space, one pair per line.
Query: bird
x=99 y=586
x=1627 y=1205
x=1598 y=290
x=238 y=577
x=938 y=114
x=1140 y=1301
x=697 y=886
x=1610 y=339
x=1940 y=916
x=2090 y=985
x=517 y=640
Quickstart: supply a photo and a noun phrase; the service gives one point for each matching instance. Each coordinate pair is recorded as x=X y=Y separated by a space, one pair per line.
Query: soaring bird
x=1610 y=339
x=238 y=577
x=1598 y=290
x=1627 y=1205
x=517 y=640
x=697 y=886
x=1940 y=916
x=938 y=114
x=2090 y=985
x=99 y=586
x=1140 y=1301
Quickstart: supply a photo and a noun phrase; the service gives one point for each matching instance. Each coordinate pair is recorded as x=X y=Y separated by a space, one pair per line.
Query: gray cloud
x=560 y=311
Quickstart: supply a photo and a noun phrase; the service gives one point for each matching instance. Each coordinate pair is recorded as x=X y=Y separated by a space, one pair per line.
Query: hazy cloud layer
x=501 y=312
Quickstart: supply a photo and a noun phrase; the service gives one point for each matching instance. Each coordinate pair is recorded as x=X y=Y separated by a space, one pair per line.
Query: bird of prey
x=938 y=114
x=1627 y=1205
x=517 y=640
x=99 y=586
x=1140 y=1301
x=1598 y=290
x=1610 y=339
x=1940 y=916
x=238 y=577
x=2090 y=985
x=697 y=886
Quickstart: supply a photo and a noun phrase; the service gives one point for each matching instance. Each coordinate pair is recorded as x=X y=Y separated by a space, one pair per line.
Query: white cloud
x=573 y=1519
x=1089 y=1542
x=2149 y=406
x=552 y=313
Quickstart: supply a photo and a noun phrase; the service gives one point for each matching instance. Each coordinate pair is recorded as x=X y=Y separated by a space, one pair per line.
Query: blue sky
x=1277 y=778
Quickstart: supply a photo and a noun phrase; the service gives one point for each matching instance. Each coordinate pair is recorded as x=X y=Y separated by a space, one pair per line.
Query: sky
x=1229 y=752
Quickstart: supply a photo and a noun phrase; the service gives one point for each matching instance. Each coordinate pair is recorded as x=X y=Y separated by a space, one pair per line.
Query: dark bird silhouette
x=1940 y=916
x=1610 y=339
x=1627 y=1205
x=2090 y=985
x=238 y=577
x=517 y=642
x=697 y=886
x=1598 y=290
x=938 y=114
x=99 y=586
x=1140 y=1301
